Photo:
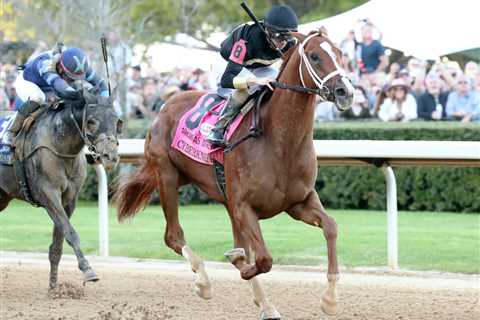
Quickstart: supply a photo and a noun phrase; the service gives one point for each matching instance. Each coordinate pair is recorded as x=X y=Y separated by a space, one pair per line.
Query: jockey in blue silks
x=51 y=74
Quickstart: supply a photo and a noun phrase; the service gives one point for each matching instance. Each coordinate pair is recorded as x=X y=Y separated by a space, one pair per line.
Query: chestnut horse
x=265 y=176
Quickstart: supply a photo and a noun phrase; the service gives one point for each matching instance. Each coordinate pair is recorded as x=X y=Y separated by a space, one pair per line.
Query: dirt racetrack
x=163 y=290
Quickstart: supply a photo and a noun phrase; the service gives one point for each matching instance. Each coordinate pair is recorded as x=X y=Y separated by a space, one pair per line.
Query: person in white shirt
x=400 y=105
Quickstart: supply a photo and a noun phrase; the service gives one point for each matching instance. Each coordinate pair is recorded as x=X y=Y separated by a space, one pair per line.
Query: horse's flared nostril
x=340 y=92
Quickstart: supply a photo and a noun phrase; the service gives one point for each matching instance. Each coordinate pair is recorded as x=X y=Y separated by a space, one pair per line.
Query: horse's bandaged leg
x=237 y=257
x=202 y=284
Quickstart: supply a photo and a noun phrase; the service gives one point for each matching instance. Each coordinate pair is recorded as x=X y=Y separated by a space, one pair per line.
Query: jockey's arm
x=60 y=86
x=231 y=78
x=95 y=81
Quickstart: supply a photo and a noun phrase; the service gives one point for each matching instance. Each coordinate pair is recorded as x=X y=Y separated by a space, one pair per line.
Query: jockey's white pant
x=27 y=90
x=262 y=72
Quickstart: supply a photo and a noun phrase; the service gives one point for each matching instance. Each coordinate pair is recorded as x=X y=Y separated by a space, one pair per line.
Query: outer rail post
x=102 y=210
x=392 y=215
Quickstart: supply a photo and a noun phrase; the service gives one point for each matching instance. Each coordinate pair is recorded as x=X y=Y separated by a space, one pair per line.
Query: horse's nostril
x=340 y=92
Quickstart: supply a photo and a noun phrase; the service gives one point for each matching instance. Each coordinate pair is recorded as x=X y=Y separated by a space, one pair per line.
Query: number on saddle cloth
x=209 y=101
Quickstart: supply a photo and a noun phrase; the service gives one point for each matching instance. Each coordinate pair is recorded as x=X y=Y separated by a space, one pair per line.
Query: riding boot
x=217 y=134
x=23 y=112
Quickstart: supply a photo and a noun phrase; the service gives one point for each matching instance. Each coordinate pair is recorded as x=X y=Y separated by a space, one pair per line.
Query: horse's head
x=101 y=127
x=319 y=67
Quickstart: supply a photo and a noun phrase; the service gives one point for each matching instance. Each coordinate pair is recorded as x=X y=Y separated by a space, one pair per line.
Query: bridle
x=321 y=89
x=85 y=136
x=319 y=82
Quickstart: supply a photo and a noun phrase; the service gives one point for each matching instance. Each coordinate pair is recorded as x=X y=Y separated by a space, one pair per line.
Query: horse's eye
x=315 y=57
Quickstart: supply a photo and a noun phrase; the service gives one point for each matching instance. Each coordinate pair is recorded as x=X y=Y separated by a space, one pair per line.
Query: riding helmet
x=74 y=63
x=281 y=18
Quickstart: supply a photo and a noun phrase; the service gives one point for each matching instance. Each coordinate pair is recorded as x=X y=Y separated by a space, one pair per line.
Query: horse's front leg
x=51 y=200
x=312 y=212
x=56 y=248
x=245 y=225
x=242 y=256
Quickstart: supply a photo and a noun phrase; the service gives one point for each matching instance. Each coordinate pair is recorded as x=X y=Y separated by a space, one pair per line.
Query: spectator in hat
x=401 y=105
x=431 y=104
x=461 y=102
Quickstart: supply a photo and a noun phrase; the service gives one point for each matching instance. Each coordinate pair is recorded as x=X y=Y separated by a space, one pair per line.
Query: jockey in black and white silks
x=250 y=54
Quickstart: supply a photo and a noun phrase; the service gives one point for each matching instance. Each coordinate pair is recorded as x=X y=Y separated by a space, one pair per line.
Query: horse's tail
x=133 y=195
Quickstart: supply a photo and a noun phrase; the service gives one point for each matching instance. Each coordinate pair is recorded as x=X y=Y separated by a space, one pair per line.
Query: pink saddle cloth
x=196 y=124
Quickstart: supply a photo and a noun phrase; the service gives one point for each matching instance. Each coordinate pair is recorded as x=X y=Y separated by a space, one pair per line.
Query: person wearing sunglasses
x=249 y=53
x=49 y=75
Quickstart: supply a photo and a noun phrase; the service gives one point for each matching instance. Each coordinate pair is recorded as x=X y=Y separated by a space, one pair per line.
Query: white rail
x=384 y=154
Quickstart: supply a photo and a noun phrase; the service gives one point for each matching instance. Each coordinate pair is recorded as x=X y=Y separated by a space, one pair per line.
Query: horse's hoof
x=90 y=276
x=274 y=316
x=329 y=307
x=203 y=289
x=204 y=292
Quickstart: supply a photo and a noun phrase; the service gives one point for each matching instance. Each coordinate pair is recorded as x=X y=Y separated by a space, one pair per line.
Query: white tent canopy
x=426 y=29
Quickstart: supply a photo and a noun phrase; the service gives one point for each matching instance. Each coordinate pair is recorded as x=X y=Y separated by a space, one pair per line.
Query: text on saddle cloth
x=196 y=124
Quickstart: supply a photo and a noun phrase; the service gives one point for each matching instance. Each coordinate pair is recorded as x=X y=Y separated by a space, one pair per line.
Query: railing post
x=102 y=210
x=392 y=214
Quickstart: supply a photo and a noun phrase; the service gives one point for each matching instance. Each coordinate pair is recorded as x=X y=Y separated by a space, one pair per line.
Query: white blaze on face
x=329 y=50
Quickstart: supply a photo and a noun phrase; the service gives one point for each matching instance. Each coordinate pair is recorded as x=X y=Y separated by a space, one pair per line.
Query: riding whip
x=103 y=41
x=252 y=16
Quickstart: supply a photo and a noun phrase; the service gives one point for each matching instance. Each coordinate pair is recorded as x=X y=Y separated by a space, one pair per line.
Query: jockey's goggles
x=280 y=36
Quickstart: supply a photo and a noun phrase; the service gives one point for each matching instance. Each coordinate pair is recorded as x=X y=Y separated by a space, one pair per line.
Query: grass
x=427 y=241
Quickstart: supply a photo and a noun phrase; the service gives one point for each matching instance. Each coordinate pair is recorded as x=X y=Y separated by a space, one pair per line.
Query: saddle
x=195 y=125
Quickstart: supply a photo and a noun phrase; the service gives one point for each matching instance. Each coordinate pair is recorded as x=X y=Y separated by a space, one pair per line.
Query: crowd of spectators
x=416 y=90
x=384 y=91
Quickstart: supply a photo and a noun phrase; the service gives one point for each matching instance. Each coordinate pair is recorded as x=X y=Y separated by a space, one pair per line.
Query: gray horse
x=55 y=167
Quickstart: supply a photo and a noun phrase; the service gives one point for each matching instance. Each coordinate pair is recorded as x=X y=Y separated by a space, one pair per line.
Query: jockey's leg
x=23 y=112
x=229 y=113
x=33 y=97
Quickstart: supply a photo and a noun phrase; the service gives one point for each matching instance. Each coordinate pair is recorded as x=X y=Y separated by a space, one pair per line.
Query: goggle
x=280 y=36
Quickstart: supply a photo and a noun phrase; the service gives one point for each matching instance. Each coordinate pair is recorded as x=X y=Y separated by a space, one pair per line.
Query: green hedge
x=350 y=187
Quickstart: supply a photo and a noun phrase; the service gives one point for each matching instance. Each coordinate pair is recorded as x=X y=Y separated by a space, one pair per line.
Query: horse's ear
x=323 y=32
x=300 y=37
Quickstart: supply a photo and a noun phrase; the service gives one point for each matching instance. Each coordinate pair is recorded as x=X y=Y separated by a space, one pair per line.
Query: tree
x=199 y=18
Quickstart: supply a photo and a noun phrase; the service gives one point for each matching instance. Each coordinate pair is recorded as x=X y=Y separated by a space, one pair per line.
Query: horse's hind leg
x=54 y=255
x=174 y=238
x=312 y=212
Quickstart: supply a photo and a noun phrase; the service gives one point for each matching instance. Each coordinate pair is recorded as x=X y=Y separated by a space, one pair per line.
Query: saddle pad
x=196 y=124
x=6 y=151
